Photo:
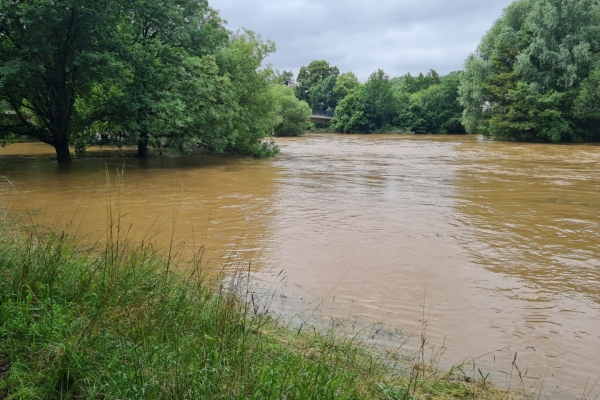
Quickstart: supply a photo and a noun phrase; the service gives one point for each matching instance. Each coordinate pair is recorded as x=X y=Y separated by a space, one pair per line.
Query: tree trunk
x=63 y=154
x=142 y=151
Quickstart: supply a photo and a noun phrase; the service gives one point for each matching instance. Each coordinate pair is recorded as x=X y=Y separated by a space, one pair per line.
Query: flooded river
x=498 y=244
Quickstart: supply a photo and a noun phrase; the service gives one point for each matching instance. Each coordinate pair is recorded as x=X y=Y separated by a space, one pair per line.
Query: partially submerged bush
x=293 y=115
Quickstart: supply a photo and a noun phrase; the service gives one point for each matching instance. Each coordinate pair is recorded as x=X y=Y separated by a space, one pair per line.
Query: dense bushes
x=292 y=115
x=425 y=104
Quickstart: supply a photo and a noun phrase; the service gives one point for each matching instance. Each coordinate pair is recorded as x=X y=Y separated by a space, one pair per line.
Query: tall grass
x=111 y=320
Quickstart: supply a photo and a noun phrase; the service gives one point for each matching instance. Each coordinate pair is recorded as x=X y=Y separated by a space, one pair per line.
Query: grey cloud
x=397 y=35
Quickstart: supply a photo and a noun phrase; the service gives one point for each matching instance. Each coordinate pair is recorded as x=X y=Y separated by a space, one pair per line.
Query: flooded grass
x=111 y=320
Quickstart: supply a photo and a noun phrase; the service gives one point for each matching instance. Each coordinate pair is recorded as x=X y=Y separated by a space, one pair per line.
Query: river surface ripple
x=497 y=244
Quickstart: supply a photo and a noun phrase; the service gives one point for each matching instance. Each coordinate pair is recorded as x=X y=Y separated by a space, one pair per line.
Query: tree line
x=74 y=73
x=427 y=103
x=534 y=77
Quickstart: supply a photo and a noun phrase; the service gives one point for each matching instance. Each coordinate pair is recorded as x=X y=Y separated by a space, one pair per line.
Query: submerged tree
x=530 y=78
x=246 y=116
x=166 y=48
x=144 y=72
x=52 y=52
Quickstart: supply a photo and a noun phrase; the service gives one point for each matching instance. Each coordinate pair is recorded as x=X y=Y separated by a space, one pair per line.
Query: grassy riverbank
x=113 y=321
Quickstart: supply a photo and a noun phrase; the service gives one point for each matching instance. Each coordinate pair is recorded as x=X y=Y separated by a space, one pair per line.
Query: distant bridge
x=321 y=116
x=323 y=119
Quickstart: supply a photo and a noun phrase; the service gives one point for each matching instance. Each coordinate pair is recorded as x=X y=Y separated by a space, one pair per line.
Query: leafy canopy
x=345 y=84
x=292 y=115
x=367 y=109
x=143 y=72
x=53 y=52
x=311 y=77
x=532 y=75
x=434 y=109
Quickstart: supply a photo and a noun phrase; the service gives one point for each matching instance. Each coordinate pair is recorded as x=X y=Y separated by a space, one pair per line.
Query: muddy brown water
x=497 y=243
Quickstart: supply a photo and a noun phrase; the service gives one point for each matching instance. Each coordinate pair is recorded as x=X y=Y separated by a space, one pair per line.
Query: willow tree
x=531 y=77
x=166 y=47
x=51 y=53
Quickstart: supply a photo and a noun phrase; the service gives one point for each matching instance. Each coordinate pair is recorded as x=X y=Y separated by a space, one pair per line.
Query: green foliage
x=293 y=115
x=165 y=47
x=410 y=84
x=310 y=78
x=369 y=108
x=426 y=104
x=323 y=99
x=532 y=71
x=380 y=101
x=587 y=104
x=350 y=114
x=248 y=114
x=434 y=109
x=143 y=72
x=51 y=53
x=345 y=84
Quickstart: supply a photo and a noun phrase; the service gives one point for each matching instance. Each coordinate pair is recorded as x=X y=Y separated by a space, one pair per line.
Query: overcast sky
x=361 y=36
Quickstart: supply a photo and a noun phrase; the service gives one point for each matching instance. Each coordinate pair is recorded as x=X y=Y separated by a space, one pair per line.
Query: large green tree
x=51 y=53
x=531 y=77
x=322 y=98
x=246 y=115
x=143 y=72
x=370 y=108
x=164 y=42
x=311 y=77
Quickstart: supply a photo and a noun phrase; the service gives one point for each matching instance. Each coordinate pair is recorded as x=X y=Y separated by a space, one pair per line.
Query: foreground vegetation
x=114 y=321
